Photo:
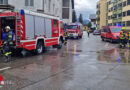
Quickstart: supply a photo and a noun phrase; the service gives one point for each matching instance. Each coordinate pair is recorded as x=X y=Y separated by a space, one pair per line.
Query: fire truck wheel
x=39 y=48
x=111 y=40
x=81 y=37
x=77 y=37
x=24 y=53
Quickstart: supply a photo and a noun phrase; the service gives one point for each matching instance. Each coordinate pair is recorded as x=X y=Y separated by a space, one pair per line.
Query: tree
x=74 y=18
x=89 y=25
x=81 y=18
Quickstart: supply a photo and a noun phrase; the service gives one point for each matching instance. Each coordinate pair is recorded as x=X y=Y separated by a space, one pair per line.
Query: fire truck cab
x=32 y=30
x=75 y=31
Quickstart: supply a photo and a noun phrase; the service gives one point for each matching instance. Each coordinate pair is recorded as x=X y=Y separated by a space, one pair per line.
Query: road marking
x=2 y=69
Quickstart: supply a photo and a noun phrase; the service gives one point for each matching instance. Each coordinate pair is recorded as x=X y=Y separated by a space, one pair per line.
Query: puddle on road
x=115 y=55
x=74 y=50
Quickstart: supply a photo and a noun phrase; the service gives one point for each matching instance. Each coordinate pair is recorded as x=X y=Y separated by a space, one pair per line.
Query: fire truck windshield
x=72 y=27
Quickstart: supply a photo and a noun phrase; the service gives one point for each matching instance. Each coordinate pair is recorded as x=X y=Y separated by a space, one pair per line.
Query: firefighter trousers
x=122 y=43
x=65 y=42
x=7 y=53
x=129 y=43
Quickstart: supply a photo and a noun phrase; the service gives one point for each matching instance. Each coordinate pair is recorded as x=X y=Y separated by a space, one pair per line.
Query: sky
x=85 y=7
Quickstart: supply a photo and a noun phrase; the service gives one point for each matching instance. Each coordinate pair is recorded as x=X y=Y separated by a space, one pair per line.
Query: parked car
x=111 y=33
x=96 y=32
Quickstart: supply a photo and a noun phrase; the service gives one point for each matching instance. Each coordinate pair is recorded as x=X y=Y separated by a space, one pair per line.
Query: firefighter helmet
x=7 y=27
x=123 y=28
x=121 y=32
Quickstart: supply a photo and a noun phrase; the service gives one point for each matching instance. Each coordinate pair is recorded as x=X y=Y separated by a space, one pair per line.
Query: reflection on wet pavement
x=77 y=66
x=115 y=55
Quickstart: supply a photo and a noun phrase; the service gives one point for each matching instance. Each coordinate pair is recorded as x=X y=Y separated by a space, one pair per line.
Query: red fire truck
x=75 y=30
x=33 y=31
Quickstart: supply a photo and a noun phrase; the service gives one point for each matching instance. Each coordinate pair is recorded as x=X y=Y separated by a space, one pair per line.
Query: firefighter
x=129 y=40
x=7 y=44
x=88 y=32
x=122 y=38
x=66 y=34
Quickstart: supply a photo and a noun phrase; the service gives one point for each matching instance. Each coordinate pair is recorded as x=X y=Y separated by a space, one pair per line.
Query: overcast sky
x=85 y=7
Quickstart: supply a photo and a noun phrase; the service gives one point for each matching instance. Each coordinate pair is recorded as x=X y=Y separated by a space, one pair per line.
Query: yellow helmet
x=121 y=32
x=123 y=28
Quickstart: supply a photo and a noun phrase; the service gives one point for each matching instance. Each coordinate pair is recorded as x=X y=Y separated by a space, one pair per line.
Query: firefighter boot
x=65 y=43
x=129 y=46
x=7 y=57
x=121 y=45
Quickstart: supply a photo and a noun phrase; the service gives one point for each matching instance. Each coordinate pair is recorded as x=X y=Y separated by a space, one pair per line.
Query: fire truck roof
x=38 y=14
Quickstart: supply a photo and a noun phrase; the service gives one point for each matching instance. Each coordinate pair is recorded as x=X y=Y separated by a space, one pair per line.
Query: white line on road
x=2 y=69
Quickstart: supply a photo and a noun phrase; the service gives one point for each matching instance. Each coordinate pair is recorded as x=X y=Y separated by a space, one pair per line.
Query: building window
x=55 y=23
x=49 y=6
x=115 y=7
x=65 y=13
x=124 y=24
x=120 y=15
x=3 y=1
x=124 y=14
x=124 y=4
x=128 y=2
x=26 y=2
x=114 y=16
x=29 y=2
x=120 y=5
x=112 y=9
x=128 y=13
x=66 y=3
x=128 y=23
x=109 y=2
x=43 y=4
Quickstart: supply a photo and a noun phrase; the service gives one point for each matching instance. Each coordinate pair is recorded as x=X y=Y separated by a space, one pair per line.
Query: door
x=48 y=27
x=55 y=28
x=104 y=32
x=29 y=20
x=108 y=33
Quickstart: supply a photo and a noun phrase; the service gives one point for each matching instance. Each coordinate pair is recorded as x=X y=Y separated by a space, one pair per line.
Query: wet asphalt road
x=85 y=64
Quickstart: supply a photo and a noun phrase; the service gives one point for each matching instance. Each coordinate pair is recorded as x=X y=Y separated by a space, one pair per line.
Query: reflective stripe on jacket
x=9 y=38
x=129 y=36
x=66 y=34
x=123 y=36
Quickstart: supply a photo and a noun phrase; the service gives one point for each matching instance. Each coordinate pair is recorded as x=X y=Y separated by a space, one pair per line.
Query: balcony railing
x=117 y=11
x=117 y=20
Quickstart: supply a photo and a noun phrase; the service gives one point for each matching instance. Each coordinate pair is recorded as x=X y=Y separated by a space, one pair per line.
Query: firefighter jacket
x=129 y=36
x=123 y=36
x=88 y=31
x=66 y=34
x=9 y=38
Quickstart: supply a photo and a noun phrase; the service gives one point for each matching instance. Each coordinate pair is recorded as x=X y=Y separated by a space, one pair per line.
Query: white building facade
x=60 y=8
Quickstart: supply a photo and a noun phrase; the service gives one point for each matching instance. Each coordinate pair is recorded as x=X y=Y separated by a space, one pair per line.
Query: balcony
x=119 y=10
x=117 y=20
